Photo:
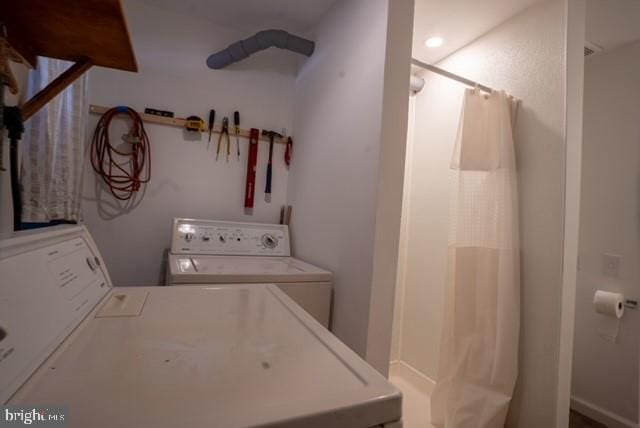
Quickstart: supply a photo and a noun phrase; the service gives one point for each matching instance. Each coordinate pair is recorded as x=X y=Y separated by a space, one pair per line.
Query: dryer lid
x=235 y=269
x=227 y=356
x=51 y=279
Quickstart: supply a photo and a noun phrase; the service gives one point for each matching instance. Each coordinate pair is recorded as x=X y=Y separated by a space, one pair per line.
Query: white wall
x=398 y=307
x=606 y=374
x=171 y=49
x=393 y=137
x=334 y=176
x=575 y=36
x=524 y=56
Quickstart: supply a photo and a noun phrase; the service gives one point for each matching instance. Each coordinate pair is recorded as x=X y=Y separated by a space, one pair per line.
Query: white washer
x=198 y=356
x=222 y=252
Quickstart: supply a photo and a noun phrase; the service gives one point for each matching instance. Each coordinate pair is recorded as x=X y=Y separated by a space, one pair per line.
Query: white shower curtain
x=53 y=148
x=479 y=348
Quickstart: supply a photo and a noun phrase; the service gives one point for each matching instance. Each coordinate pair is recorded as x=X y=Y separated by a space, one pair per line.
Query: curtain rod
x=450 y=75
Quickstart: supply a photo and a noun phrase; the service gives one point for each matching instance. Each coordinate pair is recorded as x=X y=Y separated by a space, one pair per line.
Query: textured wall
x=606 y=374
x=525 y=57
x=171 y=48
x=333 y=180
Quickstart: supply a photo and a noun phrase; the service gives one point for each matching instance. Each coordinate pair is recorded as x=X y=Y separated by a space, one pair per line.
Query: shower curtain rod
x=450 y=75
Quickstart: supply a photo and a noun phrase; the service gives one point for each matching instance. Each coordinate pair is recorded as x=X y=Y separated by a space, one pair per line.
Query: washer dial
x=269 y=241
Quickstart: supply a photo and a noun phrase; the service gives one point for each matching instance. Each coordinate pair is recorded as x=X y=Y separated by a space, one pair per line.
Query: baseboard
x=611 y=420
x=412 y=375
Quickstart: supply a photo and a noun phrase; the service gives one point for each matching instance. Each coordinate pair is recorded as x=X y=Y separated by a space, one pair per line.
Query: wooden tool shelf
x=179 y=122
x=86 y=32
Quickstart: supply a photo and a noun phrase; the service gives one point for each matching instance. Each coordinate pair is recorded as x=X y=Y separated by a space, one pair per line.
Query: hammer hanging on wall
x=271 y=135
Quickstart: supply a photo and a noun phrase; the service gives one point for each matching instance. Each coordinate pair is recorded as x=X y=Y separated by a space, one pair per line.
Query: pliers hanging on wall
x=224 y=131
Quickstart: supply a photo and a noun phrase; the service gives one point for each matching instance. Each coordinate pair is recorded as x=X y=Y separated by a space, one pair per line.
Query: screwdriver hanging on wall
x=236 y=122
x=212 y=119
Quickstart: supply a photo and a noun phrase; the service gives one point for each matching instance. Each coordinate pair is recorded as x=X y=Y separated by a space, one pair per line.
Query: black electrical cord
x=13 y=122
x=123 y=172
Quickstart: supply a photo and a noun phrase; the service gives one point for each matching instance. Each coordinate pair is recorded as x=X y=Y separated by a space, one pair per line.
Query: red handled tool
x=252 y=162
x=288 y=152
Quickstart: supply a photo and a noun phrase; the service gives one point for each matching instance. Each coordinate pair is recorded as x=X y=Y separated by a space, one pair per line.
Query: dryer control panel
x=214 y=237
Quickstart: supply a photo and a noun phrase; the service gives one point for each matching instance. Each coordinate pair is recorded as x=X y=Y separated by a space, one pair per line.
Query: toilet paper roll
x=610 y=304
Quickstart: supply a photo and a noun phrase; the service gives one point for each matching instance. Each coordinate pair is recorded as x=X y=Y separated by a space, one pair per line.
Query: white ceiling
x=291 y=15
x=458 y=22
x=611 y=23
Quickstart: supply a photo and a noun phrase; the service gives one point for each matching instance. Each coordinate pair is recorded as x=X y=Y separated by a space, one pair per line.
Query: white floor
x=416 y=390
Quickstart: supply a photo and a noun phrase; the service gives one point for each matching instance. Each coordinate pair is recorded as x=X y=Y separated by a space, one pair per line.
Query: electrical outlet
x=611 y=265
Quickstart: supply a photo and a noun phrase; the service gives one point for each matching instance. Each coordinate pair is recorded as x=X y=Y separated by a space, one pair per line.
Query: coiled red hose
x=123 y=172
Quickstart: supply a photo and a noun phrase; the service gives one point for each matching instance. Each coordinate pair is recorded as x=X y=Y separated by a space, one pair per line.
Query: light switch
x=611 y=265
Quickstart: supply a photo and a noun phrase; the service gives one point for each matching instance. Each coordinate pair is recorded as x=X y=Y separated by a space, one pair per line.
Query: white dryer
x=222 y=252
x=222 y=356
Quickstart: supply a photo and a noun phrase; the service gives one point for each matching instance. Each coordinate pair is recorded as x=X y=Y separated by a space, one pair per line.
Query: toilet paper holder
x=631 y=304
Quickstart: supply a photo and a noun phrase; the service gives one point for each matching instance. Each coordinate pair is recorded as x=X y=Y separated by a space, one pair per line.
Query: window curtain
x=53 y=149
x=479 y=348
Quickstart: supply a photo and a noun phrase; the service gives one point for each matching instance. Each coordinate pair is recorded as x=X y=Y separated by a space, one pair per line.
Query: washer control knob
x=205 y=238
x=222 y=239
x=188 y=237
x=269 y=240
x=91 y=264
